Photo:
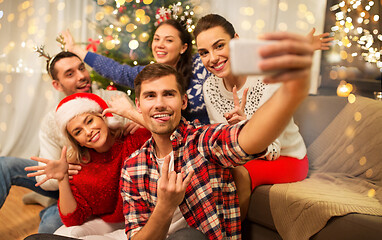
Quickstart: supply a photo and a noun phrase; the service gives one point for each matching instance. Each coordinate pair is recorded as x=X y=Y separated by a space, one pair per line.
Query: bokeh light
x=99 y=16
x=362 y=160
x=351 y=98
x=133 y=44
x=371 y=193
x=344 y=89
x=3 y=126
x=357 y=116
x=144 y=37
x=130 y=27
x=124 y=19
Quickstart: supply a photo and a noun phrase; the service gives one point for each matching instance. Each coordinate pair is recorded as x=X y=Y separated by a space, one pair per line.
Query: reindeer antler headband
x=60 y=39
x=40 y=50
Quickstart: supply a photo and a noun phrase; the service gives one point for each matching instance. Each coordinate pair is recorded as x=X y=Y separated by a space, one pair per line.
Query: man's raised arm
x=292 y=54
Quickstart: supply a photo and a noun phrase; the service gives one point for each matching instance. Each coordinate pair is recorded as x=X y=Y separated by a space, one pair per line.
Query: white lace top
x=219 y=101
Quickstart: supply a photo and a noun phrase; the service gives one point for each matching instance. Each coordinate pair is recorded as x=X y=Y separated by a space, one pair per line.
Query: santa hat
x=79 y=103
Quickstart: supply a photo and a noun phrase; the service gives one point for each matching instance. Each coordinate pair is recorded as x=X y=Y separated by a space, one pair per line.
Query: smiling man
x=179 y=183
x=69 y=74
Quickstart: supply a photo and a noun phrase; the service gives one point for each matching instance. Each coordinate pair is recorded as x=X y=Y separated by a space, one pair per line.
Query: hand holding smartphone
x=245 y=57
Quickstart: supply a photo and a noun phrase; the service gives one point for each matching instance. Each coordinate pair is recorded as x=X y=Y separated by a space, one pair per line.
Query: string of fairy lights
x=356 y=25
x=357 y=31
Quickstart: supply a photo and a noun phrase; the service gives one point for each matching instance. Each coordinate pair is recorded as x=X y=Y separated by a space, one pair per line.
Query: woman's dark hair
x=51 y=63
x=211 y=21
x=155 y=71
x=184 y=65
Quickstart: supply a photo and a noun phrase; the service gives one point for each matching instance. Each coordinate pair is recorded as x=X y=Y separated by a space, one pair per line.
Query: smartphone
x=245 y=57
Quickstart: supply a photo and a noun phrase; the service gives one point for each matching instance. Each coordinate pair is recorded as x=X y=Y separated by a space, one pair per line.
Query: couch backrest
x=315 y=114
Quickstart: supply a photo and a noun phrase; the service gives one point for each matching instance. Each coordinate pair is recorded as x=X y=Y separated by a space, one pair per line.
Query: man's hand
x=120 y=105
x=171 y=187
x=53 y=169
x=237 y=114
x=291 y=57
x=131 y=127
x=69 y=40
x=71 y=45
x=321 y=41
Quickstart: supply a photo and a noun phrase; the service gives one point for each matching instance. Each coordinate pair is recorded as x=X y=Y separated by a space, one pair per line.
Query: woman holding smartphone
x=285 y=159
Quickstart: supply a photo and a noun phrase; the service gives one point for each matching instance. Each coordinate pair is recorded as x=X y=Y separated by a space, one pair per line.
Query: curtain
x=26 y=93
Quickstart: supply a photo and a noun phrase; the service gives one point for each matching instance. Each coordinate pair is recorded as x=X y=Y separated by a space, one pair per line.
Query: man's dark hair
x=155 y=71
x=50 y=67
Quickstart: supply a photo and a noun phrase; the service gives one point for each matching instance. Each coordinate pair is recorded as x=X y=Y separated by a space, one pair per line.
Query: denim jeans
x=12 y=173
x=50 y=219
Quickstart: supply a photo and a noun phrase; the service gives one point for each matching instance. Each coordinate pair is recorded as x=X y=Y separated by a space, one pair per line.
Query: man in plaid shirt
x=178 y=183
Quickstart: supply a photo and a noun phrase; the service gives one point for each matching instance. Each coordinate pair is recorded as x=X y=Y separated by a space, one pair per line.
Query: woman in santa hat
x=90 y=202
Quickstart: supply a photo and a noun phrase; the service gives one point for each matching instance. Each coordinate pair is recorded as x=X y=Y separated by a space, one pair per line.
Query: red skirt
x=282 y=170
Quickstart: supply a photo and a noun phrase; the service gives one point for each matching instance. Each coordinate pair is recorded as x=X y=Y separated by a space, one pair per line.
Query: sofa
x=313 y=117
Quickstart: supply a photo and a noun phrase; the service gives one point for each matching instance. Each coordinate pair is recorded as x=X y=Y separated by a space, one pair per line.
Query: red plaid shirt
x=210 y=204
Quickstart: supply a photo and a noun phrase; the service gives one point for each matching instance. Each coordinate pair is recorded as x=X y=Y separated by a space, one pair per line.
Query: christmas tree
x=126 y=27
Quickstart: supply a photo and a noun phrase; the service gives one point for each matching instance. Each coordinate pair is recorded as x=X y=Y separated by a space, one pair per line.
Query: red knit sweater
x=96 y=188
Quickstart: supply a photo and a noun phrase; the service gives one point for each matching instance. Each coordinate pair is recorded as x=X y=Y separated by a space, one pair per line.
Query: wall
x=26 y=94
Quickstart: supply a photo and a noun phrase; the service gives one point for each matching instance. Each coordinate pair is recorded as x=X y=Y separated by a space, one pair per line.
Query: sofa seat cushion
x=352 y=227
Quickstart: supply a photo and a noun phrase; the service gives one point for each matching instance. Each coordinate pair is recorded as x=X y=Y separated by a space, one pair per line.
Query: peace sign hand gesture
x=237 y=114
